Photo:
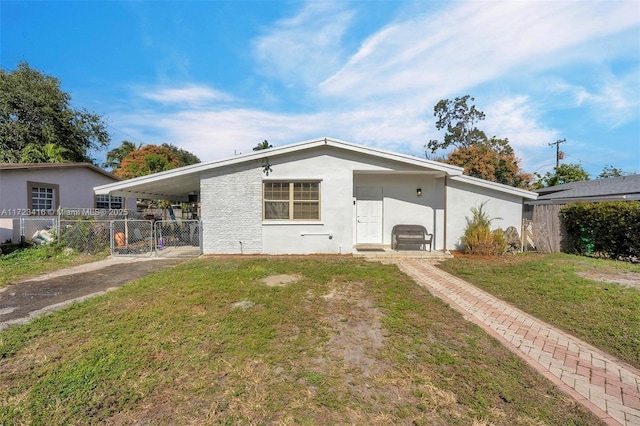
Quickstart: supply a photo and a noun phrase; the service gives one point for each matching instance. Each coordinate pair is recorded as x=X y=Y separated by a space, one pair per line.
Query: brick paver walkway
x=605 y=385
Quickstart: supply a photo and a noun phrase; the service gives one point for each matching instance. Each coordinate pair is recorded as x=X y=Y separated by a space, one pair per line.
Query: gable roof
x=176 y=183
x=38 y=166
x=608 y=189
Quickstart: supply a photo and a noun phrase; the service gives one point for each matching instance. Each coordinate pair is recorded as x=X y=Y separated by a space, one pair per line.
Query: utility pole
x=558 y=152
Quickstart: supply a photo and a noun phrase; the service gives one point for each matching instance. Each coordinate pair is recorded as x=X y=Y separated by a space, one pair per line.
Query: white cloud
x=190 y=94
x=472 y=42
x=305 y=48
x=614 y=100
x=516 y=119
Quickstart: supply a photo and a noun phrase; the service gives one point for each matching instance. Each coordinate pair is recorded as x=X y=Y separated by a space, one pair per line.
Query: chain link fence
x=119 y=232
x=177 y=238
x=85 y=235
x=132 y=237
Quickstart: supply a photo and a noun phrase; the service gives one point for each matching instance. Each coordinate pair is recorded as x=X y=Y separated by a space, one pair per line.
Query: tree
x=34 y=112
x=146 y=160
x=262 y=145
x=48 y=153
x=116 y=155
x=459 y=120
x=185 y=158
x=610 y=171
x=564 y=173
x=486 y=158
x=493 y=160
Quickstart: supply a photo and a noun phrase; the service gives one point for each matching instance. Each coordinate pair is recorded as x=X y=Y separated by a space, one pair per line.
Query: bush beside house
x=609 y=228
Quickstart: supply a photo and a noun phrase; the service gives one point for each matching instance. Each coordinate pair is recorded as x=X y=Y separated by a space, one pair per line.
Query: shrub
x=609 y=228
x=478 y=237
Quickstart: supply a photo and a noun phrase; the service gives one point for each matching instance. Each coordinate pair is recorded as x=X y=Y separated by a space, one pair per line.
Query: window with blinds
x=291 y=200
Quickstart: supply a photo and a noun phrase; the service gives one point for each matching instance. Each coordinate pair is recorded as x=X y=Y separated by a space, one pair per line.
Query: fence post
x=111 y=236
x=58 y=227
x=22 y=239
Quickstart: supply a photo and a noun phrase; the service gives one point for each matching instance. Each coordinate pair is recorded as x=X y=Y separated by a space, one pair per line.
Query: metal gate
x=178 y=238
x=131 y=237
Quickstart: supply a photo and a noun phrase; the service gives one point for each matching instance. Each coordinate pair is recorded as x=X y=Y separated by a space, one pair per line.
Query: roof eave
x=496 y=186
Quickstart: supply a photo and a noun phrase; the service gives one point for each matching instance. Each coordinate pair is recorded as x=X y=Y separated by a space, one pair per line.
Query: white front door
x=369 y=215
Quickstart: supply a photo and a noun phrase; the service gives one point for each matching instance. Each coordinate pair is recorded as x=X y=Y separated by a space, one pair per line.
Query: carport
x=160 y=238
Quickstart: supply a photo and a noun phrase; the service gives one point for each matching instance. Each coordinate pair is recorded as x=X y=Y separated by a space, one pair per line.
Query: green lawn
x=555 y=288
x=208 y=342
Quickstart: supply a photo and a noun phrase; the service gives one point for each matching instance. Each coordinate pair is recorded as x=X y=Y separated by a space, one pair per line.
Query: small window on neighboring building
x=109 y=202
x=42 y=196
x=291 y=201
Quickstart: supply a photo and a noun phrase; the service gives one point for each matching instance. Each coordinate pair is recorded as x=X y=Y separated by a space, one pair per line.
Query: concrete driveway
x=20 y=302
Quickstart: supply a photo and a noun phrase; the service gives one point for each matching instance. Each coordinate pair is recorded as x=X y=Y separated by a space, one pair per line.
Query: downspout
x=446 y=213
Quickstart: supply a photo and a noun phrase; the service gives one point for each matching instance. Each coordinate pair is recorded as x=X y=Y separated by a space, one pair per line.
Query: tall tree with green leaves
x=262 y=145
x=116 y=155
x=459 y=119
x=564 y=173
x=185 y=158
x=610 y=171
x=35 y=112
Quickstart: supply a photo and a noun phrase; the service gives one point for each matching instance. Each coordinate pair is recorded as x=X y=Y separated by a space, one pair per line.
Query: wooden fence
x=549 y=235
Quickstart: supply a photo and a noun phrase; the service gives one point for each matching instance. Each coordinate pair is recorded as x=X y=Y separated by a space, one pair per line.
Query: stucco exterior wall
x=461 y=197
x=332 y=233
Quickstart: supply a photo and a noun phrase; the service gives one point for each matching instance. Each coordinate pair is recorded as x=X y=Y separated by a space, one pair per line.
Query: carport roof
x=176 y=184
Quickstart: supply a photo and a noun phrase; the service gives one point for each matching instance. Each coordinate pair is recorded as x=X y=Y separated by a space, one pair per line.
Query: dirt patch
x=280 y=280
x=630 y=279
x=355 y=327
x=244 y=305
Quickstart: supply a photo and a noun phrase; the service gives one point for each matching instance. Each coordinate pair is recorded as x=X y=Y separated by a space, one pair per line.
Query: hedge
x=607 y=228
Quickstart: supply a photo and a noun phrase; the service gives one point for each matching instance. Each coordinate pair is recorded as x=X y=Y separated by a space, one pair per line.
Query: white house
x=38 y=190
x=325 y=196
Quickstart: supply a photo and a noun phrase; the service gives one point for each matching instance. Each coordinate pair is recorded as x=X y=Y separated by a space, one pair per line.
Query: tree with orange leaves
x=492 y=160
x=146 y=160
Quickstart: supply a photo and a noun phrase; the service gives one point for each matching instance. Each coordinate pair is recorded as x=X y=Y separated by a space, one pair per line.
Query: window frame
x=55 y=196
x=292 y=200
x=109 y=202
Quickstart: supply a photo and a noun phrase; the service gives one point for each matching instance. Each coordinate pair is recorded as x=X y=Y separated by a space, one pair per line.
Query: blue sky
x=216 y=77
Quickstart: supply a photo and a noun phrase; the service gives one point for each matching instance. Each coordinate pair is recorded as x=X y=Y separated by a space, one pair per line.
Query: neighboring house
x=325 y=196
x=547 y=229
x=38 y=190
